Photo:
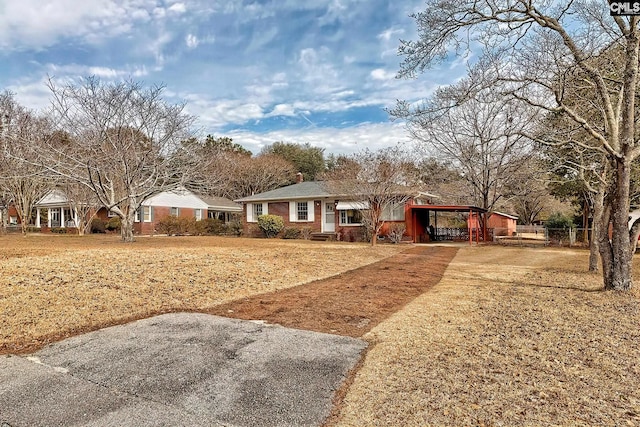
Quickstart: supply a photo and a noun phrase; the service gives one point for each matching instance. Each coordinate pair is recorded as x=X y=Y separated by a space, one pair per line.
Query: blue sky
x=316 y=71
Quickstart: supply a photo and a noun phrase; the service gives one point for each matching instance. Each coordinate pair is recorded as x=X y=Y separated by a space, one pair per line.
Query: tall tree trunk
x=620 y=278
x=585 y=218
x=126 y=226
x=597 y=228
x=126 y=230
x=604 y=243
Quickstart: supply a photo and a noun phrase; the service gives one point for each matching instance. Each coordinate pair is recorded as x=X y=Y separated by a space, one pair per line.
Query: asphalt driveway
x=179 y=369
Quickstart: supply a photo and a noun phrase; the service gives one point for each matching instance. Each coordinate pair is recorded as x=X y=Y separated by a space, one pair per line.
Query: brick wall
x=160 y=212
x=281 y=209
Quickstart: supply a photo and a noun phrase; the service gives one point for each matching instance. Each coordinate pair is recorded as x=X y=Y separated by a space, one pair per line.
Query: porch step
x=322 y=237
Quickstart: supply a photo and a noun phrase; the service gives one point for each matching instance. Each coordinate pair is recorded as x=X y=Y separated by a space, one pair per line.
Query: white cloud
x=380 y=74
x=178 y=8
x=372 y=136
x=192 y=41
x=30 y=23
x=387 y=34
x=32 y=94
x=282 y=110
x=74 y=70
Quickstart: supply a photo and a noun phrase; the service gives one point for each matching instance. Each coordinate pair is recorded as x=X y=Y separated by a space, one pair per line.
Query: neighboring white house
x=180 y=203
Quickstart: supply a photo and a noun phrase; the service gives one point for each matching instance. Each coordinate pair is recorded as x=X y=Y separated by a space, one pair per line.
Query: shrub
x=271 y=225
x=558 y=226
x=306 y=232
x=58 y=230
x=175 y=226
x=396 y=231
x=114 y=224
x=213 y=226
x=97 y=226
x=291 y=233
x=559 y=221
x=197 y=228
x=235 y=227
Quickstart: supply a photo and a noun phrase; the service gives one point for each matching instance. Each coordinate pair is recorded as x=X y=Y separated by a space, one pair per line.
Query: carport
x=424 y=224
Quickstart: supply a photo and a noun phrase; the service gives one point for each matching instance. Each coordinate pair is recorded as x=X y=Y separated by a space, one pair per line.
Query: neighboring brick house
x=183 y=203
x=53 y=210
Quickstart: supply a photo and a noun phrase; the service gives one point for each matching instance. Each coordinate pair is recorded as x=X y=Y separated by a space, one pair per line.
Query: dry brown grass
x=510 y=336
x=55 y=286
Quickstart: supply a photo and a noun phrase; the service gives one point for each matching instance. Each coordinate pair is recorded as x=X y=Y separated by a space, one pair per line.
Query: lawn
x=503 y=335
x=56 y=286
x=509 y=336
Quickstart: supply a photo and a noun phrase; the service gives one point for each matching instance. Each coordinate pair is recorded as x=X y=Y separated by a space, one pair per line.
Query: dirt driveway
x=350 y=303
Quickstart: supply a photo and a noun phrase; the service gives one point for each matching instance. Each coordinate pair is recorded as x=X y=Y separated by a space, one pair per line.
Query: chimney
x=299 y=178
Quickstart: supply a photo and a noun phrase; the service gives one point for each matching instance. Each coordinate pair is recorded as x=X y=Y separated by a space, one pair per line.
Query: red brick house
x=183 y=203
x=312 y=206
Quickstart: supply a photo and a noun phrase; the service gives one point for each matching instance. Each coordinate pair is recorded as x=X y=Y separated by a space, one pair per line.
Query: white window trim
x=250 y=216
x=176 y=209
x=347 y=224
x=293 y=211
x=197 y=213
x=144 y=214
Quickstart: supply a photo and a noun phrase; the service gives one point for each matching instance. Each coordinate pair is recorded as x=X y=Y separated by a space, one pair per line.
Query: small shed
x=500 y=223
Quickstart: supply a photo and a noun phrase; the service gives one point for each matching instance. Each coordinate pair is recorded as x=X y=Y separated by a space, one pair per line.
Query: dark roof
x=303 y=190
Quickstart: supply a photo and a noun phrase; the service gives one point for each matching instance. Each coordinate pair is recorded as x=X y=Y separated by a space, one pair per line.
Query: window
x=175 y=211
x=198 y=214
x=350 y=217
x=146 y=213
x=393 y=213
x=137 y=218
x=257 y=210
x=302 y=211
x=254 y=210
x=13 y=220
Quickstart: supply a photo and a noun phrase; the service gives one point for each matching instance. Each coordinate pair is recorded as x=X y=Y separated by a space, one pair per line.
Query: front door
x=328 y=217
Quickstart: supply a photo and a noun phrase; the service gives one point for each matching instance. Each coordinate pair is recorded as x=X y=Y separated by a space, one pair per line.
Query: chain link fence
x=532 y=235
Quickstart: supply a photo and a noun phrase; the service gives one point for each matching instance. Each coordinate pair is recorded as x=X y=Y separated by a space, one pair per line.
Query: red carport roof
x=452 y=208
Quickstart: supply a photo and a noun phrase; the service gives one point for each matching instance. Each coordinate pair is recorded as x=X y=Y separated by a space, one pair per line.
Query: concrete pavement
x=179 y=369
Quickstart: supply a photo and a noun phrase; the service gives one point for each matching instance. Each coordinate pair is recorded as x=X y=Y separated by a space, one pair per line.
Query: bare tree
x=83 y=202
x=124 y=143
x=22 y=180
x=478 y=132
x=382 y=181
x=442 y=178
x=228 y=170
x=253 y=175
x=532 y=46
x=528 y=191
